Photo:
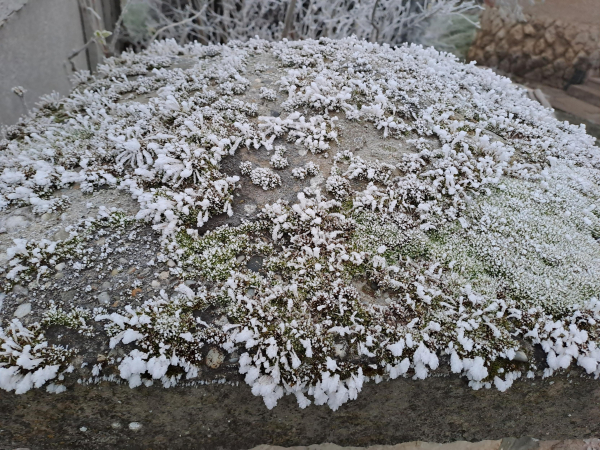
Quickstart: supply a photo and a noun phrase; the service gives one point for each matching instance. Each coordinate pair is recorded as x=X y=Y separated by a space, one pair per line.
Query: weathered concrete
x=35 y=41
x=504 y=444
x=441 y=409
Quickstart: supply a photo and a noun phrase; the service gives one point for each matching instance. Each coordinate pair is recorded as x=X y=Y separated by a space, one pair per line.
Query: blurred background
x=551 y=47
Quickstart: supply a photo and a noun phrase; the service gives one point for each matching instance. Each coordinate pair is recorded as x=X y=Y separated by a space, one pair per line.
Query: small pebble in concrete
x=20 y=290
x=520 y=356
x=171 y=263
x=164 y=275
x=116 y=425
x=68 y=296
x=523 y=443
x=61 y=235
x=214 y=358
x=155 y=284
x=15 y=222
x=104 y=297
x=60 y=267
x=135 y=426
x=255 y=263
x=23 y=310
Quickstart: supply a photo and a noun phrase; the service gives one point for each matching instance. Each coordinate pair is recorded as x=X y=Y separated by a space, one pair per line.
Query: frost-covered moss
x=77 y=318
x=482 y=233
x=26 y=358
x=37 y=260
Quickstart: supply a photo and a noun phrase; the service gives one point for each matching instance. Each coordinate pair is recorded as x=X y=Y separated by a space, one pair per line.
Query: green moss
x=77 y=319
x=214 y=255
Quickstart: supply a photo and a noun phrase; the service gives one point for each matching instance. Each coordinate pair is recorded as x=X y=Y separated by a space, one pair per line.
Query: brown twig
x=74 y=53
x=117 y=29
x=189 y=19
x=375 y=36
x=289 y=19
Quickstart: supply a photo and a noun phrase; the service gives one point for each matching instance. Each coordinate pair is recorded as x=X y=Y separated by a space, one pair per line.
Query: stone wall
x=543 y=48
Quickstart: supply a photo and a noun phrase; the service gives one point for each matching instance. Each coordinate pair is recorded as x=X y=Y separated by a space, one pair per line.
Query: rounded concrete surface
x=292 y=243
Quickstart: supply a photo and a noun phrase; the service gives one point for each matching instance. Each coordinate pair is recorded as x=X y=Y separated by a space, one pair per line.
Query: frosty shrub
x=390 y=21
x=448 y=25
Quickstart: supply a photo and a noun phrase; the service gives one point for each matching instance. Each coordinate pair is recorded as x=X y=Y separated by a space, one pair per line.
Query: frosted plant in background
x=453 y=35
x=49 y=101
x=260 y=176
x=246 y=168
x=299 y=173
x=386 y=21
x=512 y=9
x=310 y=169
x=448 y=25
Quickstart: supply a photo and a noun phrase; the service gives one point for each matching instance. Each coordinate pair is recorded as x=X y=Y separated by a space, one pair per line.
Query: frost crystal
x=265 y=178
x=278 y=161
